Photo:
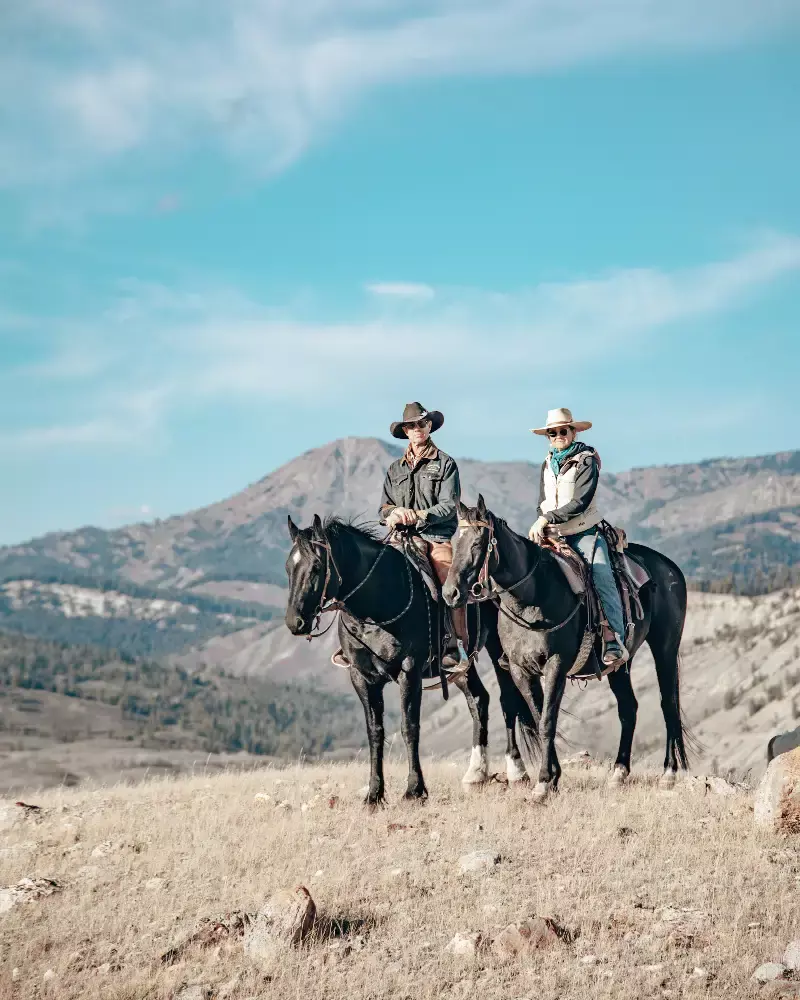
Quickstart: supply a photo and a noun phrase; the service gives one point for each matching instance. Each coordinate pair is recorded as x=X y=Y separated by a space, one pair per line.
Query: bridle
x=484 y=588
x=339 y=603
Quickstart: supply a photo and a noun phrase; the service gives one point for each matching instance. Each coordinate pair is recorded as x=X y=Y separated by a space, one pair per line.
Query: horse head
x=468 y=579
x=309 y=568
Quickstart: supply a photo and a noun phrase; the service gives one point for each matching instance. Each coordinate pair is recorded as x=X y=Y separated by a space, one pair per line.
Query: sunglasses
x=559 y=432
x=418 y=424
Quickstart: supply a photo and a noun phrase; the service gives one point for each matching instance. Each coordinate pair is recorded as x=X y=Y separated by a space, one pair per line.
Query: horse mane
x=337 y=527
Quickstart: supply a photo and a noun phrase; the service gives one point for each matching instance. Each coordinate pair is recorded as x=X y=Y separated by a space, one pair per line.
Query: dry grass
x=397 y=894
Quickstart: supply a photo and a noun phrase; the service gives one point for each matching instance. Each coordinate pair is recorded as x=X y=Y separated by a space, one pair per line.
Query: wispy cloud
x=89 y=81
x=178 y=350
x=401 y=290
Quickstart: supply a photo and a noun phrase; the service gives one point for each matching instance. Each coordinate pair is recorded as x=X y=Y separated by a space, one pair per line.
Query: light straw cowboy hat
x=561 y=418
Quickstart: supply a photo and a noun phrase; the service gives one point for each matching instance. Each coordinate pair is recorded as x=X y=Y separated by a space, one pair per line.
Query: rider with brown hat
x=422 y=488
x=568 y=505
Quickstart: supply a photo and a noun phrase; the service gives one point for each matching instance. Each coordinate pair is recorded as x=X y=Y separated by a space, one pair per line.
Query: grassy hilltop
x=675 y=894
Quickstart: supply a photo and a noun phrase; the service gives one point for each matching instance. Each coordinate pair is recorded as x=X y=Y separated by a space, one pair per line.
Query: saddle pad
x=636 y=572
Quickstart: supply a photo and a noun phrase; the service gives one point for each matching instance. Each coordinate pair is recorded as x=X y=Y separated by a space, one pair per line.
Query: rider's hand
x=401 y=515
x=538 y=529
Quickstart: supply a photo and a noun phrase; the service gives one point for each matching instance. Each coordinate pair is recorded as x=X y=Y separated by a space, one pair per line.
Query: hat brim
x=579 y=425
x=436 y=418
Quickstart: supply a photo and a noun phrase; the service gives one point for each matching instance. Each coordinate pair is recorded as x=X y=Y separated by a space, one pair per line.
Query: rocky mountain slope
x=718 y=519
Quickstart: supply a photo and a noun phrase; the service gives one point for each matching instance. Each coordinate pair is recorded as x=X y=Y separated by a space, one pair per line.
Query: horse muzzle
x=296 y=624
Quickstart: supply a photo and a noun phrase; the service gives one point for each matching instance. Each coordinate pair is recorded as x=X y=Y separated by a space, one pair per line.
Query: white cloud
x=181 y=350
x=85 y=81
x=401 y=290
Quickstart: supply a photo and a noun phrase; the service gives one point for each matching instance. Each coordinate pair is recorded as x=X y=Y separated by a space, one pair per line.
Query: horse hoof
x=541 y=791
x=667 y=780
x=619 y=776
x=515 y=770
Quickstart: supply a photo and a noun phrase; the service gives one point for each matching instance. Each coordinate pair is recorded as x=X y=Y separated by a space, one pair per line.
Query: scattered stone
x=283 y=921
x=777 y=800
x=283 y=805
x=589 y=960
x=529 y=936
x=15 y=975
x=262 y=797
x=435 y=836
x=791 y=957
x=154 y=884
x=198 y=991
x=104 y=849
x=679 y=926
x=211 y=932
x=27 y=890
x=104 y=969
x=466 y=944
x=655 y=967
x=699 y=973
x=478 y=861
x=49 y=976
x=769 y=972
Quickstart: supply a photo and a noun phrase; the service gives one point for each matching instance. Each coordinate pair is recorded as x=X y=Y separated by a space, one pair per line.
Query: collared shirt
x=427 y=482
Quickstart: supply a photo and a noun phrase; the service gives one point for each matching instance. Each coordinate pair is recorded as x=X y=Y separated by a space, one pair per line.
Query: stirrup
x=612 y=658
x=338 y=660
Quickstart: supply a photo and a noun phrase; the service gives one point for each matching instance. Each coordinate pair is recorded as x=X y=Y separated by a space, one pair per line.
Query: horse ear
x=294 y=531
x=463 y=510
x=481 y=508
x=316 y=526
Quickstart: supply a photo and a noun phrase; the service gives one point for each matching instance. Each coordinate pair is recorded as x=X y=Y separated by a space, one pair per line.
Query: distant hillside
x=62 y=694
x=730 y=523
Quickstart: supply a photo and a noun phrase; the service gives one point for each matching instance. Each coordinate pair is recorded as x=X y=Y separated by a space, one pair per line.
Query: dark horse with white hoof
x=386 y=631
x=542 y=626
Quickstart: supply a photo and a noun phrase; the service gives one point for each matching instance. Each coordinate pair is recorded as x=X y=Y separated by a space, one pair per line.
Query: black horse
x=386 y=630
x=541 y=628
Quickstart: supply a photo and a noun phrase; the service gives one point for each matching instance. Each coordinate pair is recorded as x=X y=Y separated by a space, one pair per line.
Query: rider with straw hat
x=568 y=506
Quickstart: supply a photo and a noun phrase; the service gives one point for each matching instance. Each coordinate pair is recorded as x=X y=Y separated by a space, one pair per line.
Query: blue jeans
x=602 y=574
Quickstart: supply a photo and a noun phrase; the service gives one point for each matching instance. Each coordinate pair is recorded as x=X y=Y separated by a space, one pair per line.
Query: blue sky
x=228 y=235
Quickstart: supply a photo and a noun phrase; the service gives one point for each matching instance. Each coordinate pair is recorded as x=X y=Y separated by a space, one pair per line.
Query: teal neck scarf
x=557 y=458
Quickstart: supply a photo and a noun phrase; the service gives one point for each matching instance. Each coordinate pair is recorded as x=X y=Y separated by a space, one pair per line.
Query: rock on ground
x=769 y=972
x=528 y=936
x=284 y=920
x=791 y=957
x=777 y=801
x=466 y=944
x=478 y=861
x=25 y=890
x=194 y=992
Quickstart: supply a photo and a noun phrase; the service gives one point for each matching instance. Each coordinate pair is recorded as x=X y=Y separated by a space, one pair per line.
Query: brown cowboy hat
x=411 y=414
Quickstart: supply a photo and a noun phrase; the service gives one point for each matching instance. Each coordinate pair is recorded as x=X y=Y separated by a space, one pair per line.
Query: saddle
x=415 y=550
x=630 y=577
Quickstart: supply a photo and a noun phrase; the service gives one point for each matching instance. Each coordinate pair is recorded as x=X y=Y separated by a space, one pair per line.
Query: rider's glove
x=538 y=528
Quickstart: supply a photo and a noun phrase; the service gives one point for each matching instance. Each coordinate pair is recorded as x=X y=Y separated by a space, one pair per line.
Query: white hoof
x=667 y=779
x=619 y=776
x=478 y=770
x=541 y=792
x=515 y=770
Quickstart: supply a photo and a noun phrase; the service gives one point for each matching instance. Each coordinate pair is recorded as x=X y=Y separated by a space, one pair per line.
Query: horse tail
x=664 y=639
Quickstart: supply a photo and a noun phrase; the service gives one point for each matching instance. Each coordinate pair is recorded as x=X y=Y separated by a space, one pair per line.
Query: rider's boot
x=452 y=654
x=614 y=651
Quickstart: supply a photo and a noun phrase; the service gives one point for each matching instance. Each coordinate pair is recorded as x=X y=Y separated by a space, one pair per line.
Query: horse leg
x=530 y=687
x=620 y=683
x=477 y=697
x=514 y=707
x=371 y=696
x=410 y=703
x=550 y=770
